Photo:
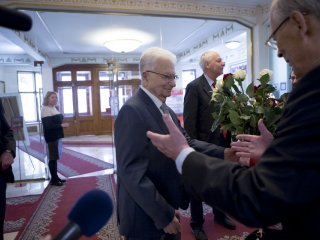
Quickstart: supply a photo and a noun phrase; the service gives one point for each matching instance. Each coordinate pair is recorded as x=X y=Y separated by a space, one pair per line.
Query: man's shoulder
x=195 y=83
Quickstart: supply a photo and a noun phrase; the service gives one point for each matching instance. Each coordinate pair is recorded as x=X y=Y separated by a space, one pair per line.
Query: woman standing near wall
x=52 y=121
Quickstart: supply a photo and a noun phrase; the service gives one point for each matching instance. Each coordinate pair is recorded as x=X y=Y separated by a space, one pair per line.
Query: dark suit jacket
x=149 y=185
x=197 y=112
x=284 y=187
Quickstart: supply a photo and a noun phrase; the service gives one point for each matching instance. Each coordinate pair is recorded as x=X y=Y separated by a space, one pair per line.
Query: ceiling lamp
x=232 y=44
x=123 y=45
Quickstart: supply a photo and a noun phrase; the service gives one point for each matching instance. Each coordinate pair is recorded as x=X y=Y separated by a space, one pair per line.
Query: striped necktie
x=164 y=108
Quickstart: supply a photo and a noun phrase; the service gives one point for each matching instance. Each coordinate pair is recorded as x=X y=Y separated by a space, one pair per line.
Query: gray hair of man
x=207 y=57
x=280 y=9
x=151 y=55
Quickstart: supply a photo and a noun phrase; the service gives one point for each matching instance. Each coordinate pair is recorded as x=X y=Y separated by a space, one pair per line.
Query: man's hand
x=6 y=159
x=170 y=145
x=230 y=154
x=174 y=226
x=253 y=146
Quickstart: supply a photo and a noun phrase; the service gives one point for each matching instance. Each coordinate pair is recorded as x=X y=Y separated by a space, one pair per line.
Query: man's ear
x=300 y=20
x=144 y=78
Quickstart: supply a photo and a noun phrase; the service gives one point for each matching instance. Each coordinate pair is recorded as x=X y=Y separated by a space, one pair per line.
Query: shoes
x=225 y=221
x=56 y=183
x=62 y=180
x=199 y=234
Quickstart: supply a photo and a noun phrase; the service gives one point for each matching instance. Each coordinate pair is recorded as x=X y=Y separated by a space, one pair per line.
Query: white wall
x=47 y=82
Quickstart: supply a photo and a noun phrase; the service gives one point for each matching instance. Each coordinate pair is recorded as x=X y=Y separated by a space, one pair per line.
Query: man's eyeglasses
x=271 y=42
x=165 y=76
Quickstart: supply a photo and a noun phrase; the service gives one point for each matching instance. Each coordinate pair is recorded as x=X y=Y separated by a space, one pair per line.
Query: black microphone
x=88 y=215
x=14 y=19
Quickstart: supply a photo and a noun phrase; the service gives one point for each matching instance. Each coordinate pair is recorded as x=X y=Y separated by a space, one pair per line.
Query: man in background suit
x=197 y=116
x=150 y=189
x=283 y=185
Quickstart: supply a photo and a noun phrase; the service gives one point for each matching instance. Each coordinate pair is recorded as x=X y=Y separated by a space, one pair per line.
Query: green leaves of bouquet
x=239 y=111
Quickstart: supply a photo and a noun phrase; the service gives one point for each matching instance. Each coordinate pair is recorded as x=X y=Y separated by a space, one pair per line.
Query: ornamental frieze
x=196 y=7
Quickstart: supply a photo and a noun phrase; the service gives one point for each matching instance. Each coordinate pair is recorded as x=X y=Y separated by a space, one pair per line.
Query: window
x=188 y=76
x=30 y=90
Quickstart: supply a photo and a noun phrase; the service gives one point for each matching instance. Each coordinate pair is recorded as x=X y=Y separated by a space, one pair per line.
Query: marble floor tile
x=32 y=176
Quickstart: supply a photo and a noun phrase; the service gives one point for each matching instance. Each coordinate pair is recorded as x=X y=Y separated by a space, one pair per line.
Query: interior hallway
x=34 y=174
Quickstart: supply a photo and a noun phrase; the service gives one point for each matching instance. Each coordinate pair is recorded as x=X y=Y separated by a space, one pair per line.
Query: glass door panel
x=124 y=93
x=105 y=75
x=84 y=97
x=29 y=102
x=66 y=101
x=83 y=76
x=63 y=76
x=105 y=106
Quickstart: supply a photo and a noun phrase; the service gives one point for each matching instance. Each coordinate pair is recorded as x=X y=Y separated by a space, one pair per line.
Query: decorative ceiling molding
x=21 y=59
x=159 y=7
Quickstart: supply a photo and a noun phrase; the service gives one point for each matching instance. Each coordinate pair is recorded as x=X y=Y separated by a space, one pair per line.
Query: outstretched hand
x=253 y=146
x=171 y=144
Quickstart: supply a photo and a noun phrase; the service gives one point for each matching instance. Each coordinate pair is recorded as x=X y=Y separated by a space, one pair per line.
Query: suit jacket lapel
x=205 y=86
x=152 y=108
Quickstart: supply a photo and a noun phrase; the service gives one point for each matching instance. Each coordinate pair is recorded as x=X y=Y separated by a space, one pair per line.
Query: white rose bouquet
x=238 y=111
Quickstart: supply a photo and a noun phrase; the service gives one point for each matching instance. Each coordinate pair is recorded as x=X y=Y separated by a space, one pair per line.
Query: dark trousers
x=3 y=188
x=196 y=209
x=53 y=168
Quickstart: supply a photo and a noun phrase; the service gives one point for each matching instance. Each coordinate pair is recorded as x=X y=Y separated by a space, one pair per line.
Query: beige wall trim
x=196 y=8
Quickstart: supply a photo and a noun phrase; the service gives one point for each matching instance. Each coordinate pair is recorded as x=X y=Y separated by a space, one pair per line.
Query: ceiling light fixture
x=122 y=45
x=232 y=44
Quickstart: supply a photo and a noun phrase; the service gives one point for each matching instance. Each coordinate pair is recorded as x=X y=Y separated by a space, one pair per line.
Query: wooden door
x=89 y=95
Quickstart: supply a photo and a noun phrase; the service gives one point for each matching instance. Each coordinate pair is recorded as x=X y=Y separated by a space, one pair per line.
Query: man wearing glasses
x=283 y=186
x=150 y=189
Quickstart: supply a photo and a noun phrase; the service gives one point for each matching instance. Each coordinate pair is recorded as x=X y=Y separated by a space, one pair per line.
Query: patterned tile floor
x=34 y=174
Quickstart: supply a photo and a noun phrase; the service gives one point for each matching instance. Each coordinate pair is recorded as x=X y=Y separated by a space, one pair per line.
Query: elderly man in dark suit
x=150 y=189
x=283 y=185
x=197 y=115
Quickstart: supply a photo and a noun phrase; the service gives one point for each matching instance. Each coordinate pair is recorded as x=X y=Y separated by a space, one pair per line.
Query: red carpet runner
x=35 y=216
x=19 y=210
x=71 y=163
x=56 y=202
x=213 y=230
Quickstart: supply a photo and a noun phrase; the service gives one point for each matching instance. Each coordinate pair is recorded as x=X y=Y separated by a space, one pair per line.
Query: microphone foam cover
x=13 y=19
x=92 y=211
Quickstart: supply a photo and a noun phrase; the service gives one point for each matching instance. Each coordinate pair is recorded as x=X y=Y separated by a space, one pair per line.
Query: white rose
x=240 y=75
x=266 y=71
x=218 y=86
